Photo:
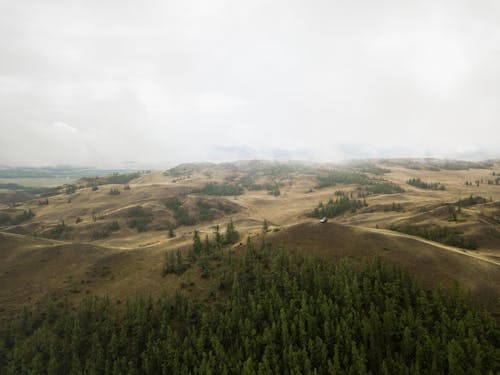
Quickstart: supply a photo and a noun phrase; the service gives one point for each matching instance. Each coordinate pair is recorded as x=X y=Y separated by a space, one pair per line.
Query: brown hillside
x=432 y=264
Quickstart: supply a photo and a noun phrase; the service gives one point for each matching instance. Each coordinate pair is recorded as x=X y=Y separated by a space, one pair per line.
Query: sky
x=151 y=83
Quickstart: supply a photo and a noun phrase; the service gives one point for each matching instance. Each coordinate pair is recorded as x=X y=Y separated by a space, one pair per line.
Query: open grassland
x=95 y=240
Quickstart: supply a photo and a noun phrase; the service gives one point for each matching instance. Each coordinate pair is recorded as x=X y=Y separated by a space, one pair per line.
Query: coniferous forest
x=271 y=312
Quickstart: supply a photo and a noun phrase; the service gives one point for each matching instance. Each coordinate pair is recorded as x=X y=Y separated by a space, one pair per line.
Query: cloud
x=64 y=127
x=172 y=81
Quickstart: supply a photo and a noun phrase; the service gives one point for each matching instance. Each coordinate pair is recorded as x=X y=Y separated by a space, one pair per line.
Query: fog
x=151 y=83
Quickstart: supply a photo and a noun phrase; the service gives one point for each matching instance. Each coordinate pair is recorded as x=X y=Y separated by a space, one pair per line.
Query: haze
x=156 y=82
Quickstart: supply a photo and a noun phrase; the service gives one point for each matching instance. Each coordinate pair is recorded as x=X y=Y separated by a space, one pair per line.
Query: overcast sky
x=107 y=83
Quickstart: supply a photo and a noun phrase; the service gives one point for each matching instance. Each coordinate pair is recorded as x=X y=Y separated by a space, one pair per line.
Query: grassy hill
x=84 y=240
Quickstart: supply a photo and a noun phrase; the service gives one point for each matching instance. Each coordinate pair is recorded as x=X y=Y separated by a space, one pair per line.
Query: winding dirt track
x=435 y=244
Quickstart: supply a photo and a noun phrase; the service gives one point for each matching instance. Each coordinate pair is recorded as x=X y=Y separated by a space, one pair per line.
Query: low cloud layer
x=106 y=83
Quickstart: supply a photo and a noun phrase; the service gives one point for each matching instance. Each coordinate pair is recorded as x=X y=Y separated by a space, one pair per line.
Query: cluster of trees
x=273 y=313
x=274 y=191
x=272 y=188
x=181 y=214
x=477 y=183
x=417 y=182
x=471 y=201
x=384 y=188
x=43 y=202
x=373 y=169
x=114 y=191
x=29 y=189
x=343 y=178
x=6 y=219
x=437 y=165
x=463 y=165
x=174 y=263
x=496 y=181
x=203 y=211
x=338 y=207
x=70 y=188
x=203 y=252
x=220 y=189
x=98 y=234
x=117 y=178
x=446 y=235
x=60 y=231
x=138 y=218
x=394 y=207
x=113 y=179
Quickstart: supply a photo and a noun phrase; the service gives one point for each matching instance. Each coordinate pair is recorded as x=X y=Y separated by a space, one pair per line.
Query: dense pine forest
x=338 y=207
x=269 y=312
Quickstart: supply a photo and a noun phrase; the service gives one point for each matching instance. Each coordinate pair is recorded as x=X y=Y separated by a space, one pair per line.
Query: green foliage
x=70 y=188
x=112 y=179
x=272 y=188
x=137 y=211
x=118 y=179
x=205 y=267
x=106 y=231
x=437 y=164
x=29 y=189
x=18 y=219
x=384 y=188
x=4 y=219
x=280 y=313
x=231 y=236
x=417 y=182
x=114 y=191
x=52 y=172
x=246 y=181
x=394 y=207
x=204 y=211
x=265 y=226
x=342 y=178
x=471 y=201
x=337 y=207
x=138 y=218
x=99 y=234
x=373 y=169
x=446 y=235
x=113 y=226
x=220 y=189
x=457 y=165
x=275 y=191
x=174 y=263
x=173 y=203
x=255 y=187
x=181 y=215
x=60 y=231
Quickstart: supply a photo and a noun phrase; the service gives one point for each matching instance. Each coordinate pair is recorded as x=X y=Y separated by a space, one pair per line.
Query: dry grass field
x=90 y=241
